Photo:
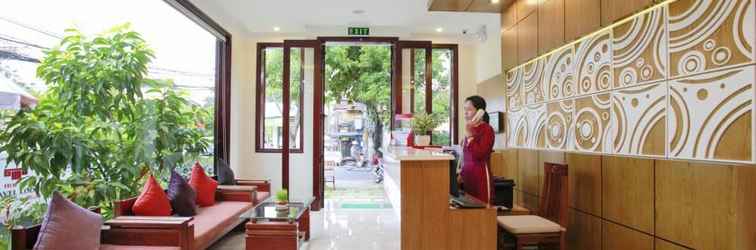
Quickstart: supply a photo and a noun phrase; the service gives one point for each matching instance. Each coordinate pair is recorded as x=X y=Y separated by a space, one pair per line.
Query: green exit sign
x=358 y=31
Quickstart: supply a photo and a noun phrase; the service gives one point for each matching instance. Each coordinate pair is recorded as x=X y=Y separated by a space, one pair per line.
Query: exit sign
x=358 y=31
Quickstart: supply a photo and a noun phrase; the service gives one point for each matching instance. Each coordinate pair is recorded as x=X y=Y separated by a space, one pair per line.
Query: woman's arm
x=482 y=142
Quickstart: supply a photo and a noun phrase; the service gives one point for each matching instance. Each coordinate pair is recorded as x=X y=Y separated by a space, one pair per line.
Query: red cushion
x=152 y=201
x=203 y=185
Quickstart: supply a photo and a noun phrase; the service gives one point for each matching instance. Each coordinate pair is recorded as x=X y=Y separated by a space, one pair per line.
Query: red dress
x=476 y=174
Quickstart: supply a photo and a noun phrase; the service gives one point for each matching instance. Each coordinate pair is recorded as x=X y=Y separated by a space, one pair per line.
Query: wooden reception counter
x=417 y=183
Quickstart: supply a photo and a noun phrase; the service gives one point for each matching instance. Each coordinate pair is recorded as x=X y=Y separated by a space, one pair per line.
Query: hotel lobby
x=391 y=124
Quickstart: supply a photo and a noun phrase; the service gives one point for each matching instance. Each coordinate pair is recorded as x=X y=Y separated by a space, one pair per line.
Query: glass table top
x=271 y=211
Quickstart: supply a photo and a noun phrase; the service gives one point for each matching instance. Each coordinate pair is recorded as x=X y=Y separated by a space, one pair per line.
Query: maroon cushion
x=65 y=221
x=182 y=196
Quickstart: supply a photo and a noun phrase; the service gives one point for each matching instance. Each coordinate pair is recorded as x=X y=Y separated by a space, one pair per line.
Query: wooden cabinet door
x=581 y=17
x=613 y=10
x=550 y=25
x=527 y=38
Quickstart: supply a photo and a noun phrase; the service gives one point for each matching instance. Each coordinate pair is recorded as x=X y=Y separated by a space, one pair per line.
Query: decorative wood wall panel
x=707 y=35
x=594 y=64
x=639 y=116
x=676 y=81
x=640 y=49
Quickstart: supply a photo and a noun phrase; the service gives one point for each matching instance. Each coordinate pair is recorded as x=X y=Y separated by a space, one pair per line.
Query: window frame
x=260 y=102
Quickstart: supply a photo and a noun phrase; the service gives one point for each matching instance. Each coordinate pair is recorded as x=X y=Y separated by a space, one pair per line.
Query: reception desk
x=417 y=184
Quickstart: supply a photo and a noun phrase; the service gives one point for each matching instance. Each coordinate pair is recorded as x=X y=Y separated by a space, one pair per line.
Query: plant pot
x=422 y=140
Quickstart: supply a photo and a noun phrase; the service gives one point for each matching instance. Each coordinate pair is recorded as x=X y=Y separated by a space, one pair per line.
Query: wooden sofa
x=166 y=237
x=126 y=231
x=208 y=226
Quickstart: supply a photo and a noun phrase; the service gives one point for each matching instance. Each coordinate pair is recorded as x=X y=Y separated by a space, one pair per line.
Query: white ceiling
x=329 y=17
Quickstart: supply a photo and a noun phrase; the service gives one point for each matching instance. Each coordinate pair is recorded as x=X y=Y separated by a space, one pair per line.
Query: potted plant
x=422 y=127
x=282 y=200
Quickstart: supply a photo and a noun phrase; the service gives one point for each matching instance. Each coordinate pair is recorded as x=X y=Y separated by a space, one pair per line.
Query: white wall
x=249 y=164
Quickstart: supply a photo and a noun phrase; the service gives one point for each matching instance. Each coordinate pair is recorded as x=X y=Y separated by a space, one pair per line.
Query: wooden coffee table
x=269 y=228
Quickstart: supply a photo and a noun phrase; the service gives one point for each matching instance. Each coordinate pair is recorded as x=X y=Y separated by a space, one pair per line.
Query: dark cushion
x=65 y=221
x=225 y=174
x=182 y=196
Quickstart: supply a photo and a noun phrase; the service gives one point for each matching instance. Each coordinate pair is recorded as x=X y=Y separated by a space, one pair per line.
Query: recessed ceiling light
x=276 y=29
x=494 y=1
x=439 y=29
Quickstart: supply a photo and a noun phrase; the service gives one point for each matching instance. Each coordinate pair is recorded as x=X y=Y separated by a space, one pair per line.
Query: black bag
x=503 y=191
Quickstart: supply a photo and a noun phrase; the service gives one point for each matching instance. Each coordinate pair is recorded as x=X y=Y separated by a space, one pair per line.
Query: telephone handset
x=478 y=116
x=474 y=121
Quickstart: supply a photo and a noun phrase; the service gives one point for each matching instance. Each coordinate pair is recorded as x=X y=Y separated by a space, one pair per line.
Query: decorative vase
x=422 y=140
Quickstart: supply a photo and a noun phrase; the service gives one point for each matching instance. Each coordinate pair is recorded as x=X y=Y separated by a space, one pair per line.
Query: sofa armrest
x=236 y=193
x=150 y=231
x=262 y=185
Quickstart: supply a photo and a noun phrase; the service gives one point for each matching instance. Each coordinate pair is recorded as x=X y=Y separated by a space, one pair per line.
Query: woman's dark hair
x=479 y=103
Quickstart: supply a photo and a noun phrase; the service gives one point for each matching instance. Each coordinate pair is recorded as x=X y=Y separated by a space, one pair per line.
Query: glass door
x=300 y=77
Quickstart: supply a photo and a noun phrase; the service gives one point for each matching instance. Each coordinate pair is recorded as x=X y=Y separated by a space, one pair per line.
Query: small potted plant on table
x=282 y=200
x=422 y=127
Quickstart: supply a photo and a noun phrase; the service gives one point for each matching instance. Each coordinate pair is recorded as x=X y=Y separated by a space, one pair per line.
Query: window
x=268 y=137
x=441 y=93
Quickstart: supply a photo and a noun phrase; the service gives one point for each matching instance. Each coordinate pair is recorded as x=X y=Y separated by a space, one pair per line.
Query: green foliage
x=282 y=195
x=22 y=211
x=102 y=126
x=423 y=123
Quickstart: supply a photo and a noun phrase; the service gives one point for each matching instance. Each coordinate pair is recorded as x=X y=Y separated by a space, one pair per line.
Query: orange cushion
x=211 y=222
x=152 y=201
x=203 y=185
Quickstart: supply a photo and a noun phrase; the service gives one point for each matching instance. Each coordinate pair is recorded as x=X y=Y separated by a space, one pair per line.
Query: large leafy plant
x=102 y=126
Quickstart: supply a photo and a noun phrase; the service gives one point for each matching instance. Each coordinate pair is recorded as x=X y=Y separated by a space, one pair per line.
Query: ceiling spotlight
x=439 y=30
x=276 y=29
x=494 y=1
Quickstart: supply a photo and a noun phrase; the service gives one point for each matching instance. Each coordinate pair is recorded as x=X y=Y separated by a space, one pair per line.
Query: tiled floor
x=356 y=216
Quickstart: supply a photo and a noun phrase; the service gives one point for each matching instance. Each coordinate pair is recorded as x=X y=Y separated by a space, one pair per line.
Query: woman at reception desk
x=417 y=182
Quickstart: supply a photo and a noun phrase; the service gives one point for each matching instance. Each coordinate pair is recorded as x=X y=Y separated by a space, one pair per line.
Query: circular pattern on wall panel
x=588 y=127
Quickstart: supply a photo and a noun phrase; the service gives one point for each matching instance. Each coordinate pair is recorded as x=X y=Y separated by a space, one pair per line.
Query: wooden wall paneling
x=584 y=179
x=550 y=25
x=660 y=244
x=745 y=214
x=448 y=5
x=509 y=56
x=628 y=192
x=581 y=17
x=525 y=8
x=527 y=38
x=613 y=10
x=617 y=237
x=583 y=231
x=695 y=204
x=529 y=201
x=528 y=171
x=511 y=166
x=498 y=166
x=485 y=6
x=508 y=17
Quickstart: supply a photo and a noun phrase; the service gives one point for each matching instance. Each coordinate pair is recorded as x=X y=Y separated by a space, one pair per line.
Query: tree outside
x=102 y=125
